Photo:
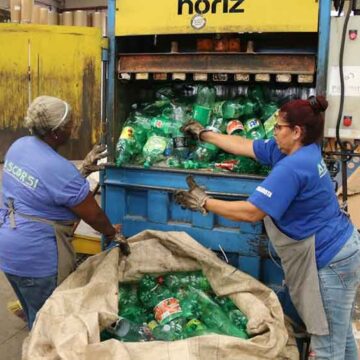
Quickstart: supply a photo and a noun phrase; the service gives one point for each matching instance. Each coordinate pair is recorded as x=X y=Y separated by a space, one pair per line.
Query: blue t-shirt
x=299 y=196
x=43 y=184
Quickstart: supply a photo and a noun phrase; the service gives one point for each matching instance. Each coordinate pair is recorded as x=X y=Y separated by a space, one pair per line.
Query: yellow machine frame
x=144 y=17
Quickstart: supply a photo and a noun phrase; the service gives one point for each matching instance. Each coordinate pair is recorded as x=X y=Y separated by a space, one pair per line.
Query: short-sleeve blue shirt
x=299 y=196
x=43 y=184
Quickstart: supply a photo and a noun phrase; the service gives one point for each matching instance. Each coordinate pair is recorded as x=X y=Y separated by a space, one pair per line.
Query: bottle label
x=152 y=325
x=127 y=133
x=252 y=124
x=270 y=123
x=227 y=165
x=167 y=310
x=234 y=125
x=194 y=324
x=180 y=142
x=218 y=108
x=158 y=124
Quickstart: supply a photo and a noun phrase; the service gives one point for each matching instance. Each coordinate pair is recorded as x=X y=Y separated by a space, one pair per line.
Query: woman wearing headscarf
x=43 y=196
x=318 y=245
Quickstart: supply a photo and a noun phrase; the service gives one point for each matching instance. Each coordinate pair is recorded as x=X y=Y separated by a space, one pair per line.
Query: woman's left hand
x=89 y=164
x=194 y=199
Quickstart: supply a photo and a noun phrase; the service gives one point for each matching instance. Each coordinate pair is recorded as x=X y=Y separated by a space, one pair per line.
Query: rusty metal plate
x=218 y=63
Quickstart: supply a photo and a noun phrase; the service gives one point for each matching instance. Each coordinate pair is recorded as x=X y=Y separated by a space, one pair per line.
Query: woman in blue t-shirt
x=43 y=196
x=316 y=241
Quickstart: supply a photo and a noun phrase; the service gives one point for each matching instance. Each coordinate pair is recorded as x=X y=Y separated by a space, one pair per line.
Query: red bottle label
x=167 y=310
x=234 y=125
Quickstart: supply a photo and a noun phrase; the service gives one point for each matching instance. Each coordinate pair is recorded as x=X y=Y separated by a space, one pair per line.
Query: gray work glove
x=194 y=199
x=89 y=164
x=194 y=129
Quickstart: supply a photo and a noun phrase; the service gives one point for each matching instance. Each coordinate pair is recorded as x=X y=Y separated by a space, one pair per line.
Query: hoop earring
x=55 y=136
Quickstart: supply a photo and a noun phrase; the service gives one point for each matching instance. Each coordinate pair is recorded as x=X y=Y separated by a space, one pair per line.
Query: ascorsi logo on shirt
x=20 y=175
x=322 y=168
x=264 y=191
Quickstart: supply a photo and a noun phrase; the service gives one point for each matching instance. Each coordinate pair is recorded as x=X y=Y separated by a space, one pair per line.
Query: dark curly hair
x=309 y=115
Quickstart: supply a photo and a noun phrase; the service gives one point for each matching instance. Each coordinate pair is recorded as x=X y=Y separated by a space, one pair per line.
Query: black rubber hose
x=344 y=150
x=341 y=72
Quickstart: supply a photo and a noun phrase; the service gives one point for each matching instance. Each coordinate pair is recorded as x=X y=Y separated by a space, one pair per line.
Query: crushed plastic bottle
x=270 y=119
x=128 y=331
x=205 y=100
x=153 y=150
x=163 y=126
x=185 y=279
x=195 y=327
x=180 y=145
x=215 y=318
x=171 y=331
x=228 y=109
x=205 y=153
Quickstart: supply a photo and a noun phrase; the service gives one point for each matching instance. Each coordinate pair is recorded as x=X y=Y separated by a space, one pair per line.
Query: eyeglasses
x=278 y=127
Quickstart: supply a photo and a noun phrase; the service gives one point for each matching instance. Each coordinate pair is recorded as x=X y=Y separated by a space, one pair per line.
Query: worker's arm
x=196 y=199
x=232 y=144
x=235 y=210
x=89 y=211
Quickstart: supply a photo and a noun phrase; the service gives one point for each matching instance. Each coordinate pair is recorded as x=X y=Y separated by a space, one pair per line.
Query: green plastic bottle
x=190 y=306
x=205 y=100
x=270 y=116
x=168 y=308
x=195 y=327
x=153 y=150
x=254 y=129
x=238 y=318
x=185 y=279
x=163 y=126
x=127 y=146
x=205 y=153
x=180 y=145
x=234 y=314
x=171 y=331
x=215 y=318
x=229 y=109
x=160 y=299
x=249 y=108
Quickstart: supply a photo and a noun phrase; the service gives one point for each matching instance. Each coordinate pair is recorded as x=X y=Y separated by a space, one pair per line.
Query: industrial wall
x=50 y=60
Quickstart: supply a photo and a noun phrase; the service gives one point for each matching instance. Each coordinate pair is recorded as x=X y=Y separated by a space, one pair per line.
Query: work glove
x=193 y=129
x=194 y=199
x=89 y=164
x=121 y=241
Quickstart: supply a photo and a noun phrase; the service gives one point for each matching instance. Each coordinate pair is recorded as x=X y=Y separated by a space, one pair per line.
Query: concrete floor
x=12 y=330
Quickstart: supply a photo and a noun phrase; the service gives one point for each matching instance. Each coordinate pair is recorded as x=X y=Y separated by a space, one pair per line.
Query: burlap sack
x=68 y=325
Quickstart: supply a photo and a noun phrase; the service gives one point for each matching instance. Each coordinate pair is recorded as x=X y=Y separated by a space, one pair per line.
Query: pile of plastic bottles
x=152 y=132
x=172 y=307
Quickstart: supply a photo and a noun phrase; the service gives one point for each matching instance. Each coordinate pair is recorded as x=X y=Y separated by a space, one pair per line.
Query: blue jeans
x=32 y=293
x=338 y=283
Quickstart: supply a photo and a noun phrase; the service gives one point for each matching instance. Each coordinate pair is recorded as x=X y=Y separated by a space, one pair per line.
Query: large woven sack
x=69 y=324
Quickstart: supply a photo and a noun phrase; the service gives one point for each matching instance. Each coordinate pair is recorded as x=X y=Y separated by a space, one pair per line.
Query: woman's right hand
x=194 y=129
